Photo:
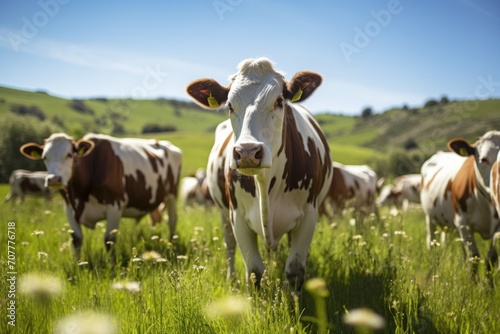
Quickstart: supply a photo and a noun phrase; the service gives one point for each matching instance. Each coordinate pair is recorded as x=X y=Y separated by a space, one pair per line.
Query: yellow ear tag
x=463 y=152
x=212 y=102
x=297 y=95
x=35 y=155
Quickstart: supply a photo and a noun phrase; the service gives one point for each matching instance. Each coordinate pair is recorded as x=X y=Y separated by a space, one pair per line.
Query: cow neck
x=267 y=229
x=310 y=172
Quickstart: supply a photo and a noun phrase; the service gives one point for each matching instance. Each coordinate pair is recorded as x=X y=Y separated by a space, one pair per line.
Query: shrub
x=23 y=110
x=155 y=128
x=430 y=103
x=81 y=107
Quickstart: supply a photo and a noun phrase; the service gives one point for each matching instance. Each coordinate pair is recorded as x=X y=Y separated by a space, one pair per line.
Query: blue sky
x=371 y=53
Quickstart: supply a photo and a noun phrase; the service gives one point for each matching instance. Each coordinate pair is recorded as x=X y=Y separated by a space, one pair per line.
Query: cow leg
x=113 y=216
x=470 y=247
x=77 y=234
x=247 y=241
x=493 y=252
x=172 y=215
x=230 y=242
x=430 y=230
x=301 y=239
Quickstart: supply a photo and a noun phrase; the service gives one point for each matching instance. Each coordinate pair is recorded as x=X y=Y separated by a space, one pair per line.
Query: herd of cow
x=270 y=172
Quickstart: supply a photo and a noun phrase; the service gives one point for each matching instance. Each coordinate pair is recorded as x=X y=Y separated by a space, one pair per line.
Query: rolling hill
x=353 y=140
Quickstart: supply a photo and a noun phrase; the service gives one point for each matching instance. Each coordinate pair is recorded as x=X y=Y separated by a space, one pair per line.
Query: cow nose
x=53 y=181
x=248 y=157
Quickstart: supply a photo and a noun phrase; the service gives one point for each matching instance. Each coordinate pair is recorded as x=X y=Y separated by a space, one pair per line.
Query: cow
x=352 y=186
x=24 y=182
x=270 y=166
x=455 y=193
x=102 y=177
x=406 y=190
x=192 y=189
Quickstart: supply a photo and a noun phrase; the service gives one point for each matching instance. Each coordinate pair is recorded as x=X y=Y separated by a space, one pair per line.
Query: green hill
x=417 y=132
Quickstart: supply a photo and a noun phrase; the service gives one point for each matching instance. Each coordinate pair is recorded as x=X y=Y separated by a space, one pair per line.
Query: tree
x=367 y=112
x=444 y=100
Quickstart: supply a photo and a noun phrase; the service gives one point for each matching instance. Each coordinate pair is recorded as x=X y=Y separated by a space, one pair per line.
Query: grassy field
x=381 y=265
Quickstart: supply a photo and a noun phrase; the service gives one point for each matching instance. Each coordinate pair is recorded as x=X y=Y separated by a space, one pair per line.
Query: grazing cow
x=24 y=182
x=270 y=166
x=406 y=190
x=192 y=189
x=352 y=186
x=101 y=177
x=455 y=193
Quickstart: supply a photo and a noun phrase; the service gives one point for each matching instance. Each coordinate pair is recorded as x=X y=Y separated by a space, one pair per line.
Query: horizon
x=381 y=54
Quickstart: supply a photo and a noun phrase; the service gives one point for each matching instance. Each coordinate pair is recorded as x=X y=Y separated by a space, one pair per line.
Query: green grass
x=382 y=265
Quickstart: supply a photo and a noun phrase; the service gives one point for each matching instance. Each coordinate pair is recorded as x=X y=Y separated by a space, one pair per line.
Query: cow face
x=256 y=100
x=58 y=154
x=484 y=150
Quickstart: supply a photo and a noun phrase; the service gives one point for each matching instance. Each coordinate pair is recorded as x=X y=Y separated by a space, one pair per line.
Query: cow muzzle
x=54 y=181
x=248 y=156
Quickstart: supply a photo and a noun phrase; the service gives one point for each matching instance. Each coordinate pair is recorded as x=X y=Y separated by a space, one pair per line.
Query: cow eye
x=278 y=103
x=69 y=156
x=231 y=110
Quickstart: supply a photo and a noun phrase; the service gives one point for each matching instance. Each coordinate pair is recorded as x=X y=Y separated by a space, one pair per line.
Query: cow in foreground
x=270 y=166
x=406 y=190
x=24 y=182
x=101 y=177
x=456 y=193
x=352 y=186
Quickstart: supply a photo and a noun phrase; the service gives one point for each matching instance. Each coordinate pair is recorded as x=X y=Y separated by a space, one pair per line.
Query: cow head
x=484 y=150
x=58 y=154
x=257 y=99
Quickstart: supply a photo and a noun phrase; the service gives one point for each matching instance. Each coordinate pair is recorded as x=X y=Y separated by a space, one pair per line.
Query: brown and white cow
x=404 y=190
x=102 y=177
x=455 y=192
x=352 y=186
x=193 y=189
x=270 y=166
x=24 y=182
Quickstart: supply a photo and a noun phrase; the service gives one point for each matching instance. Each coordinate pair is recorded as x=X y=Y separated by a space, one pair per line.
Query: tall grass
x=380 y=265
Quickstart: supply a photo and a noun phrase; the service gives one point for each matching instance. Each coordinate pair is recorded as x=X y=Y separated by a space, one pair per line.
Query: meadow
x=178 y=285
x=158 y=285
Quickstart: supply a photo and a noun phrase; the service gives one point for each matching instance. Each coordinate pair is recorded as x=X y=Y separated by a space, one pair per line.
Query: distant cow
x=102 y=177
x=270 y=166
x=352 y=186
x=192 y=189
x=406 y=189
x=24 y=182
x=455 y=192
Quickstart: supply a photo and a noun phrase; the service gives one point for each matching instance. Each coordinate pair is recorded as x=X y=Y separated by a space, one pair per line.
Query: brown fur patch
x=463 y=185
x=303 y=170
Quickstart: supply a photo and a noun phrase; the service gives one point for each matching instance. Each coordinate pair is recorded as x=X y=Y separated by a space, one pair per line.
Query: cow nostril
x=236 y=154
x=258 y=155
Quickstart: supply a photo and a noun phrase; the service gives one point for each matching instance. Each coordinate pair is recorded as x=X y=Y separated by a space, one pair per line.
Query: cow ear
x=302 y=85
x=461 y=147
x=32 y=151
x=84 y=147
x=208 y=93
